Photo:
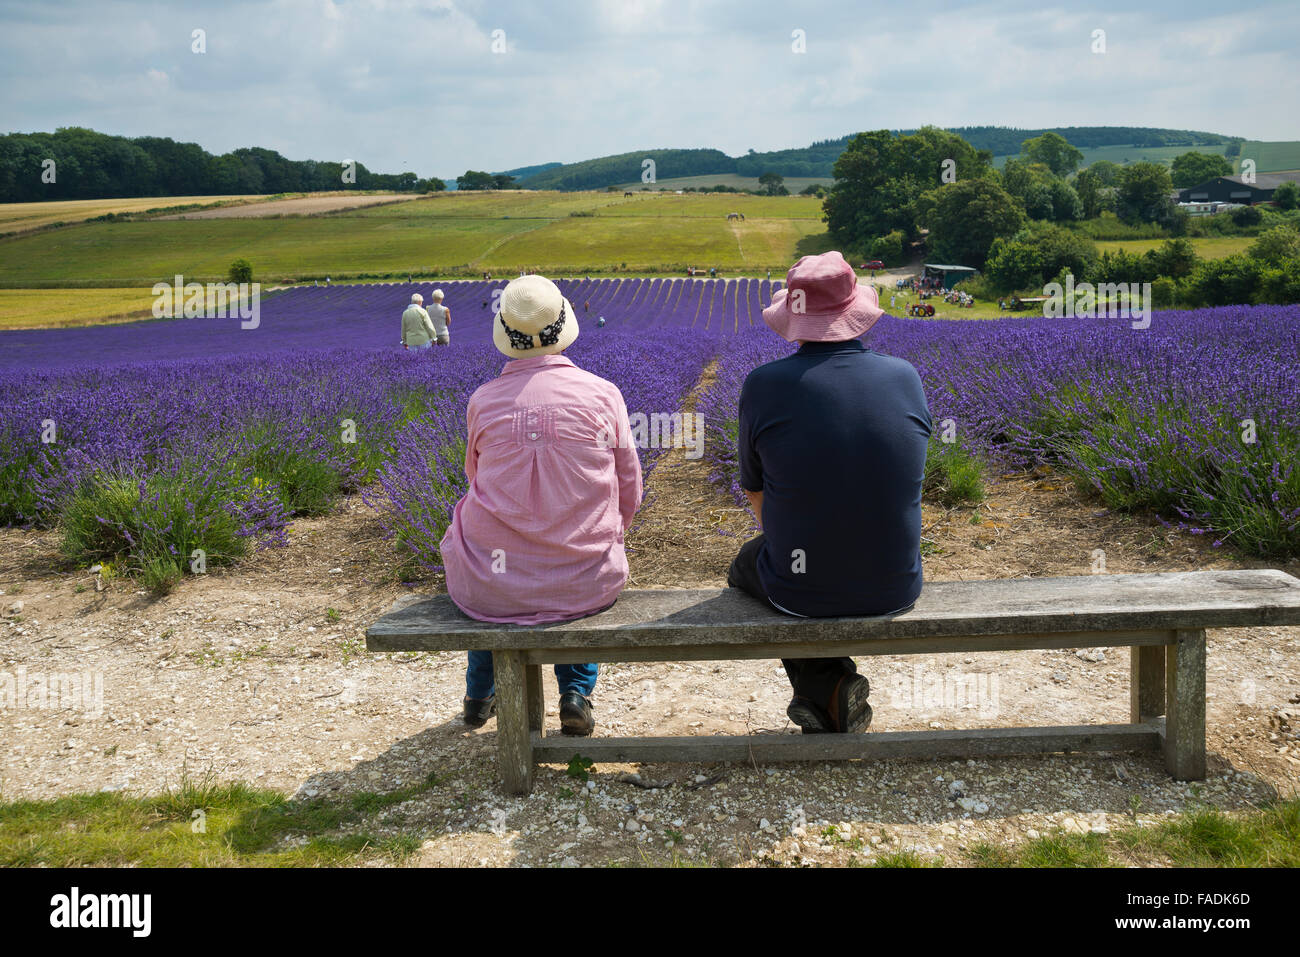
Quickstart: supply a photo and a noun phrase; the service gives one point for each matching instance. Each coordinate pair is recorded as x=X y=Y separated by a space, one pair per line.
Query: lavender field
x=146 y=441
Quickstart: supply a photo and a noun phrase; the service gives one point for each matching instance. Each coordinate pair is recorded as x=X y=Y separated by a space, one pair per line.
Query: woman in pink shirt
x=554 y=481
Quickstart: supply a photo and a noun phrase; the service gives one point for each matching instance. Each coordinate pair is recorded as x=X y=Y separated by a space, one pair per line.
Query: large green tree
x=1053 y=151
x=880 y=176
x=1043 y=194
x=1277 y=245
x=1143 y=195
x=1193 y=168
x=475 y=179
x=773 y=184
x=1287 y=195
x=1106 y=172
x=965 y=217
x=1095 y=195
x=1037 y=254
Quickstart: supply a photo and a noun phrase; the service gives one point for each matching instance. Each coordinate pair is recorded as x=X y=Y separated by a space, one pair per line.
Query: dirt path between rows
x=259 y=673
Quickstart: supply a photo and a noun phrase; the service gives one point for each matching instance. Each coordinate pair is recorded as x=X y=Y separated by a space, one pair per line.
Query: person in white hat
x=417 y=328
x=554 y=480
x=441 y=317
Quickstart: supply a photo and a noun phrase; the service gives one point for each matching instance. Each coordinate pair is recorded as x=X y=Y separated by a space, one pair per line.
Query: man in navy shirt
x=832 y=445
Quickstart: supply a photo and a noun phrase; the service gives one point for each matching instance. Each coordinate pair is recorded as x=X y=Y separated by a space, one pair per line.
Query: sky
x=441 y=86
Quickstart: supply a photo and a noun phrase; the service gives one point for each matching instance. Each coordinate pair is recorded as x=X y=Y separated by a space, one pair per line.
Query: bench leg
x=1146 y=686
x=514 y=745
x=536 y=704
x=1185 y=705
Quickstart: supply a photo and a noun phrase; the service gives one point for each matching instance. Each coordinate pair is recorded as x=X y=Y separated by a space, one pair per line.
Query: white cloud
x=329 y=78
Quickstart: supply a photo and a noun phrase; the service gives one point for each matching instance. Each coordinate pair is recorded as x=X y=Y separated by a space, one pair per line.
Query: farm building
x=947 y=275
x=1230 y=189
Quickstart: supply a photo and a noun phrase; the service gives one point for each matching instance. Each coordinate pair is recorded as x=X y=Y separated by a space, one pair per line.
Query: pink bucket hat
x=822 y=302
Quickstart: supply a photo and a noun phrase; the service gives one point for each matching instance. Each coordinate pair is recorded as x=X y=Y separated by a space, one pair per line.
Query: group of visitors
x=421 y=329
x=831 y=444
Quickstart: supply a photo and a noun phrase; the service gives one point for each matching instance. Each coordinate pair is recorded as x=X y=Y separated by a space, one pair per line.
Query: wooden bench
x=1161 y=617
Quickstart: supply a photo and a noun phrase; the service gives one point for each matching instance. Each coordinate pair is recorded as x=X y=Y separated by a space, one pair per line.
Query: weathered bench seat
x=1161 y=617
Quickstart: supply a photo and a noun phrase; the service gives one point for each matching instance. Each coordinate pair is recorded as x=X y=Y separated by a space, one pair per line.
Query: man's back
x=835 y=437
x=416 y=327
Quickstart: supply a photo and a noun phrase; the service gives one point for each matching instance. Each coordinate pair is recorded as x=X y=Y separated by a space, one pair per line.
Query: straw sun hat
x=535 y=319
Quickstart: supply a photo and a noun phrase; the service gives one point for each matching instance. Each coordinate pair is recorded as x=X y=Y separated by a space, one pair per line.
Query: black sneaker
x=575 y=715
x=477 y=712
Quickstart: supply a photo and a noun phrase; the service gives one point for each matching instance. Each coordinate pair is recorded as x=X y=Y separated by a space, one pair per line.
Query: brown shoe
x=849 y=711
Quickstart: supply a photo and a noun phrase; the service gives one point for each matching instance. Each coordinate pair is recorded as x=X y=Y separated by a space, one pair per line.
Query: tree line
x=78 y=163
x=933 y=192
x=818 y=159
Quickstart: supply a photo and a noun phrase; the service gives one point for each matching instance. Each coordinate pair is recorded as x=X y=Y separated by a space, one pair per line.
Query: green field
x=1274 y=157
x=1207 y=247
x=445 y=234
x=46 y=308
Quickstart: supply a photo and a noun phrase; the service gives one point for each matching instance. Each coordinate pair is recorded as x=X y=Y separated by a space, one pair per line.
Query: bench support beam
x=1185 y=706
x=514 y=743
x=1146 y=682
x=536 y=703
x=976 y=742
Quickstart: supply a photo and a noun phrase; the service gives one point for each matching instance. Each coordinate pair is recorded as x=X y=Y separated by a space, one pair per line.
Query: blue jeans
x=480 y=682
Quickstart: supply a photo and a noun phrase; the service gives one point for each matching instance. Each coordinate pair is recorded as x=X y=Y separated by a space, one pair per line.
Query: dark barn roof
x=1222 y=188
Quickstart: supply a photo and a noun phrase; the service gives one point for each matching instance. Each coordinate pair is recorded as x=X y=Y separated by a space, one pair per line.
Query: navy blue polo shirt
x=835 y=437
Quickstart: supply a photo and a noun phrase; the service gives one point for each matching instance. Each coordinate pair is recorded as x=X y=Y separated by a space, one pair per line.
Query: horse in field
x=735 y=216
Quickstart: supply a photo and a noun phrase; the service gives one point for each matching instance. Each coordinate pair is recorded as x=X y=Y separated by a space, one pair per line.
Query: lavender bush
x=1197 y=417
x=146 y=440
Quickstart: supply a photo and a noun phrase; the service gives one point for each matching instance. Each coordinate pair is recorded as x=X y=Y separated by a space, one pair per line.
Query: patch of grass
x=1207 y=247
x=1198 y=837
x=953 y=475
x=201 y=823
x=58 y=308
x=1208 y=837
x=160 y=575
x=904 y=859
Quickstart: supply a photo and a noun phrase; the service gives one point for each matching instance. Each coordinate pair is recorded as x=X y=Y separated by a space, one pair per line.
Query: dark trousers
x=811 y=678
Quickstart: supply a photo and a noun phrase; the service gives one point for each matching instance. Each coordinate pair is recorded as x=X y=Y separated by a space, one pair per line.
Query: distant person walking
x=441 y=316
x=417 y=328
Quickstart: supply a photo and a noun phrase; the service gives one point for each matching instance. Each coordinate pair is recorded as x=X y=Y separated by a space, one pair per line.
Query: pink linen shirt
x=554 y=481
